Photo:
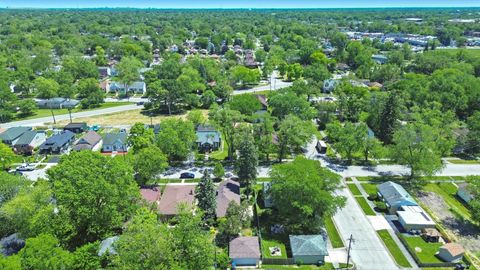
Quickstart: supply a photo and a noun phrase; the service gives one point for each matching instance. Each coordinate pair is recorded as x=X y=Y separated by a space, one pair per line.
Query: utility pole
x=350 y=240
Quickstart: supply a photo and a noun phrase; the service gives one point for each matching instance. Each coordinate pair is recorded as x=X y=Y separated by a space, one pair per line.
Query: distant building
x=90 y=141
x=228 y=191
x=11 y=135
x=329 y=85
x=57 y=143
x=395 y=196
x=76 y=127
x=29 y=141
x=115 y=142
x=308 y=249
x=104 y=72
x=463 y=192
x=57 y=103
x=380 y=59
x=208 y=139
x=107 y=246
x=137 y=87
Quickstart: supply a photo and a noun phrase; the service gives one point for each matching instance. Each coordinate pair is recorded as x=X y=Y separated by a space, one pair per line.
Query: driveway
x=368 y=251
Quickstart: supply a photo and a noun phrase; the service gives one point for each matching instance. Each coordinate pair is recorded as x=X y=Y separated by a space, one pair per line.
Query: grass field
x=464 y=161
x=333 y=234
x=468 y=52
x=46 y=112
x=126 y=118
x=369 y=188
x=365 y=206
x=448 y=191
x=354 y=189
x=220 y=154
x=392 y=246
x=424 y=251
x=267 y=243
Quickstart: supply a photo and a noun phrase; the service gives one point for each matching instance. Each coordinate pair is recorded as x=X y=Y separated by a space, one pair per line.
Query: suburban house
x=244 y=251
x=107 y=246
x=395 y=196
x=308 y=249
x=227 y=191
x=208 y=139
x=76 y=127
x=414 y=218
x=379 y=59
x=11 y=135
x=137 y=87
x=451 y=252
x=29 y=141
x=115 y=142
x=267 y=197
x=151 y=194
x=173 y=196
x=329 y=85
x=90 y=141
x=104 y=72
x=463 y=192
x=57 y=143
x=57 y=103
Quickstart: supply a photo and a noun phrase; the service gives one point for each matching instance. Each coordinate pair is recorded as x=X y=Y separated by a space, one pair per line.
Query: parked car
x=25 y=167
x=140 y=103
x=15 y=172
x=187 y=175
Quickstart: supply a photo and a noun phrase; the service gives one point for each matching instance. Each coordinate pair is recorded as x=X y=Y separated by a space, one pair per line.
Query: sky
x=236 y=3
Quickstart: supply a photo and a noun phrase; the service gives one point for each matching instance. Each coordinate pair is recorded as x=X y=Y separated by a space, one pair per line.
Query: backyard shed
x=244 y=251
x=308 y=249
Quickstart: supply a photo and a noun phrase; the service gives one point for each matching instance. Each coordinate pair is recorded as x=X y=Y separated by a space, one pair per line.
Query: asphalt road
x=368 y=251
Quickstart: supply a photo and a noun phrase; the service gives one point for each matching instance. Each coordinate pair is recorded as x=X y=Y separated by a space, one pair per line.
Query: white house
x=136 y=87
x=413 y=218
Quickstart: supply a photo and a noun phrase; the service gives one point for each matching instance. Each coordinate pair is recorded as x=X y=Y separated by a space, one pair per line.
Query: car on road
x=140 y=103
x=25 y=167
x=187 y=175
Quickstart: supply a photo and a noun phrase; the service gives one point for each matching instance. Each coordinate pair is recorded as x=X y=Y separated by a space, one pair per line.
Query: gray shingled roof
x=310 y=245
x=394 y=193
x=111 y=138
x=244 y=247
x=227 y=191
x=26 y=137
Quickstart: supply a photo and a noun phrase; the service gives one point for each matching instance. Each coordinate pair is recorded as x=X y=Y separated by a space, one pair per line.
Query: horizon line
x=242 y=8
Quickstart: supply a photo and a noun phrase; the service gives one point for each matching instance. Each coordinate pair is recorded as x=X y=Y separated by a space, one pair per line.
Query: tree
x=247 y=159
x=7 y=104
x=293 y=133
x=92 y=209
x=145 y=244
x=193 y=246
x=101 y=59
x=351 y=100
x=6 y=156
x=43 y=253
x=473 y=136
x=236 y=218
x=27 y=107
x=128 y=70
x=388 y=118
x=176 y=139
x=205 y=193
x=287 y=102
x=196 y=117
x=303 y=194
x=349 y=138
x=218 y=170
x=46 y=88
x=90 y=93
x=246 y=104
x=148 y=163
x=226 y=119
x=140 y=137
x=474 y=189
x=244 y=76
x=415 y=146
x=264 y=136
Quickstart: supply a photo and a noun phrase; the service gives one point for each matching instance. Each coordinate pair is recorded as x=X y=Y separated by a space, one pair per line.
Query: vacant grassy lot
x=126 y=118
x=333 y=234
x=46 y=112
x=365 y=206
x=354 y=189
x=392 y=246
x=425 y=251
x=448 y=192
x=267 y=243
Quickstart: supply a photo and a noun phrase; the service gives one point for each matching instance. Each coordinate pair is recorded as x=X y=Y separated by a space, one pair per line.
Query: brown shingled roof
x=227 y=191
x=244 y=247
x=454 y=249
x=173 y=195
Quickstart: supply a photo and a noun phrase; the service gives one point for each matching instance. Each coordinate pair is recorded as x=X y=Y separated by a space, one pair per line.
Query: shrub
x=380 y=207
x=373 y=196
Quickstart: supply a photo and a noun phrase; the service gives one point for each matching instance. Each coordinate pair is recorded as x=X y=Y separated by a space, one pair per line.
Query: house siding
x=245 y=261
x=446 y=256
x=464 y=195
x=306 y=259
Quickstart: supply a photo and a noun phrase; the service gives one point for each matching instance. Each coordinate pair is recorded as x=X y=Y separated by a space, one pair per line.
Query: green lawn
x=370 y=188
x=464 y=161
x=354 y=189
x=333 y=234
x=392 y=246
x=365 y=206
x=220 y=154
x=46 y=112
x=468 y=52
x=327 y=266
x=425 y=251
x=267 y=243
x=447 y=191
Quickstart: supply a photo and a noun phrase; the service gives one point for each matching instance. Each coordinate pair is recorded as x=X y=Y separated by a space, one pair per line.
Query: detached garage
x=308 y=249
x=244 y=251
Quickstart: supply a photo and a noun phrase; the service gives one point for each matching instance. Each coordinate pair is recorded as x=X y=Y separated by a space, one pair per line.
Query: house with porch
x=208 y=139
x=29 y=141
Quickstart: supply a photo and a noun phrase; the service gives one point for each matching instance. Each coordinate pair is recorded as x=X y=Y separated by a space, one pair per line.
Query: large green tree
x=140 y=137
x=303 y=194
x=7 y=156
x=293 y=133
x=247 y=159
x=226 y=120
x=205 y=193
x=148 y=163
x=94 y=194
x=176 y=139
